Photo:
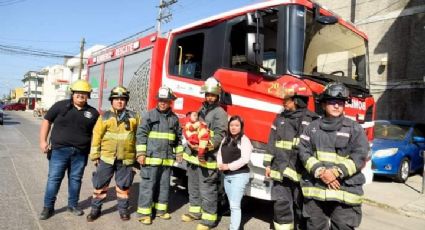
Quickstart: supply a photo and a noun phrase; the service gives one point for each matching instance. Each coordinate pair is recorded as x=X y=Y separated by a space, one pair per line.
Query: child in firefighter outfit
x=196 y=133
x=158 y=145
x=113 y=151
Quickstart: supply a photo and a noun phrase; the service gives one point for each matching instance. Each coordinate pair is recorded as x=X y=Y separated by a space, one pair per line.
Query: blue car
x=398 y=148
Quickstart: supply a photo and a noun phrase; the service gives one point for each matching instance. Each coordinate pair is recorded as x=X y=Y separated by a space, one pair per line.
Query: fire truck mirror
x=254 y=45
x=325 y=20
x=225 y=98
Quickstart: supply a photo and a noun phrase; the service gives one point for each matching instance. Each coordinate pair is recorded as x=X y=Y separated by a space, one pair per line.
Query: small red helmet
x=293 y=88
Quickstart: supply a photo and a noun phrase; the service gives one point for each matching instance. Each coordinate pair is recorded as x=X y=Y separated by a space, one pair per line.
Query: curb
x=393 y=209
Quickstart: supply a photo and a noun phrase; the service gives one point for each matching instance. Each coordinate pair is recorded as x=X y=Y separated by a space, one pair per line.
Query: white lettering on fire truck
x=356 y=104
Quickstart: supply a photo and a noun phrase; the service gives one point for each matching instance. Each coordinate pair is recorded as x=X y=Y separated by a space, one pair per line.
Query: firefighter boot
x=94 y=214
x=202 y=227
x=146 y=220
x=124 y=216
x=164 y=216
x=189 y=217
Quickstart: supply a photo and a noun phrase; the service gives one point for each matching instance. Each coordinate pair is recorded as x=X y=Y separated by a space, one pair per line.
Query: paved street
x=23 y=173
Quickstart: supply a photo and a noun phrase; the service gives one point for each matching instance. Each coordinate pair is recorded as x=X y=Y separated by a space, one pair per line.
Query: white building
x=59 y=77
x=56 y=84
x=33 y=88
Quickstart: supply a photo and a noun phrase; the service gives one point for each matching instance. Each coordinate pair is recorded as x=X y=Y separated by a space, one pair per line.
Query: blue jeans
x=65 y=159
x=235 y=185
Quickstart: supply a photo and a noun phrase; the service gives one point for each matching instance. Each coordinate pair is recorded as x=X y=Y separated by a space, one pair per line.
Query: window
x=188 y=56
x=238 y=41
x=334 y=49
x=419 y=131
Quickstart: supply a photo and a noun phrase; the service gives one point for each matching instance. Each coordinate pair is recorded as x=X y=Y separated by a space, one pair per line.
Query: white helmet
x=212 y=86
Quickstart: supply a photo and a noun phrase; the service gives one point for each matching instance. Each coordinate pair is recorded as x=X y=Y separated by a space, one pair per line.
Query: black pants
x=340 y=215
x=287 y=206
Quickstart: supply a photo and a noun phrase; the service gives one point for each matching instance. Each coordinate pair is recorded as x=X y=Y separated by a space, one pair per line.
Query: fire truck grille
x=139 y=87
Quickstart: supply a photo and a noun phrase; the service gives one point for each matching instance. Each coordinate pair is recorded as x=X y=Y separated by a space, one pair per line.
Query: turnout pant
x=124 y=175
x=154 y=190
x=203 y=185
x=341 y=216
x=287 y=205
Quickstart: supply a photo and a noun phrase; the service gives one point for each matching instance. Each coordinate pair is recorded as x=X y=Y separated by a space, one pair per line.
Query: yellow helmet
x=212 y=86
x=81 y=86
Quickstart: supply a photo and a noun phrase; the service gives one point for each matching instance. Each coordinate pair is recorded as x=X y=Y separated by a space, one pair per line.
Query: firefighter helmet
x=212 y=86
x=335 y=90
x=80 y=86
x=165 y=93
x=119 y=92
x=293 y=89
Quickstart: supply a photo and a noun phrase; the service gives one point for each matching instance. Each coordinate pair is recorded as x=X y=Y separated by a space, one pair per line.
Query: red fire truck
x=252 y=51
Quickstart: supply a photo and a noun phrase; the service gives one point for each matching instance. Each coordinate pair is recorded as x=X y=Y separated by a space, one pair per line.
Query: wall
x=396 y=31
x=56 y=85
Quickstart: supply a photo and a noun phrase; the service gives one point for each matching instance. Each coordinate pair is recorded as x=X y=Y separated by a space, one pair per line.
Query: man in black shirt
x=70 y=140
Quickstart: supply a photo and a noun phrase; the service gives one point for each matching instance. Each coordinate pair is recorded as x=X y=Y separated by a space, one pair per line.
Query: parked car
x=1 y=116
x=15 y=106
x=398 y=148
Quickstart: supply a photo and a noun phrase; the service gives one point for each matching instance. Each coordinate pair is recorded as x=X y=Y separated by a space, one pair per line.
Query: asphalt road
x=23 y=173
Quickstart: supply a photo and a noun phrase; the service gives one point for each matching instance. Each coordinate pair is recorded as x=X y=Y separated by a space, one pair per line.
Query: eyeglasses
x=335 y=102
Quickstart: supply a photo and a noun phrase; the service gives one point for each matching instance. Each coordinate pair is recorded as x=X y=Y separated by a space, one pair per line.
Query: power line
x=37 y=41
x=17 y=50
x=10 y=2
x=164 y=13
x=124 y=40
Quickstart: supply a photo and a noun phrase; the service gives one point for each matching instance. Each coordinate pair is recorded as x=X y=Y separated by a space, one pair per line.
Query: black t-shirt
x=71 y=127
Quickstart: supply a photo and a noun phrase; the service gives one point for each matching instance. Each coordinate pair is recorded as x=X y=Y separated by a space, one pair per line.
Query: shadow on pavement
x=6 y=123
x=262 y=208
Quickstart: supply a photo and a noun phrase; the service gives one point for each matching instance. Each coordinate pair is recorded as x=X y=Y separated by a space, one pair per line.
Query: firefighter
x=158 y=138
x=282 y=163
x=203 y=176
x=113 y=151
x=333 y=149
x=73 y=121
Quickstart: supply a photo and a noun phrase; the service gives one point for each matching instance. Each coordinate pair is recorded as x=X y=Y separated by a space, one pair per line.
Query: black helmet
x=119 y=92
x=335 y=90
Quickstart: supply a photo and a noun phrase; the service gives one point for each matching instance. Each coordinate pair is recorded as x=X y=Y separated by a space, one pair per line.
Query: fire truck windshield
x=334 y=50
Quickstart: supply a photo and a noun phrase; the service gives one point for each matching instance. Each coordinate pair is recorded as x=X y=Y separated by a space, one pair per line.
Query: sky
x=57 y=26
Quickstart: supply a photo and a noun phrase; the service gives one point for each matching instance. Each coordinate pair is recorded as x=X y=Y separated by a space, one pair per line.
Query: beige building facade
x=396 y=32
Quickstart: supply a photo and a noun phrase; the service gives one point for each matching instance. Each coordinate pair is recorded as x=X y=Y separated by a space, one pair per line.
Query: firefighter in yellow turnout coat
x=113 y=151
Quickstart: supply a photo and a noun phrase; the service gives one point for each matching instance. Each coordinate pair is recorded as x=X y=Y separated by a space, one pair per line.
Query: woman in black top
x=232 y=160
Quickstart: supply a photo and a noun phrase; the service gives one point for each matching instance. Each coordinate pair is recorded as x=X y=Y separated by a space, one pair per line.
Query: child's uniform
x=197 y=133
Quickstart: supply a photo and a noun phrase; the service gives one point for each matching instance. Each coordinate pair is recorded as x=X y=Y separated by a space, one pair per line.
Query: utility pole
x=83 y=41
x=28 y=91
x=164 y=4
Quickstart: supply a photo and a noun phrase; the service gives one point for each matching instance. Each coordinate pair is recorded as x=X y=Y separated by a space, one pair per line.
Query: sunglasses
x=335 y=102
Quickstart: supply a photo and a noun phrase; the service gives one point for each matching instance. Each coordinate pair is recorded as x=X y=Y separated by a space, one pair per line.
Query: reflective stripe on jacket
x=159 y=137
x=345 y=149
x=112 y=140
x=282 y=154
x=216 y=119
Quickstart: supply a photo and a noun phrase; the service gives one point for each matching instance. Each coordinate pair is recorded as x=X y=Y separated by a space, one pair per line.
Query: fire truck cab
x=252 y=51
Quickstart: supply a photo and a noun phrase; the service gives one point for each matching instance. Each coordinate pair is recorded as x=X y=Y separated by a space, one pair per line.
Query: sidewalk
x=405 y=198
